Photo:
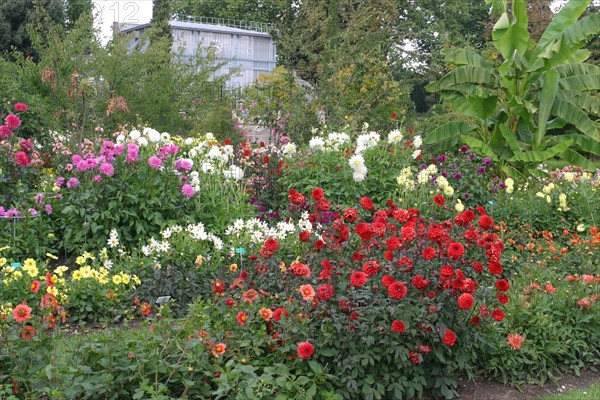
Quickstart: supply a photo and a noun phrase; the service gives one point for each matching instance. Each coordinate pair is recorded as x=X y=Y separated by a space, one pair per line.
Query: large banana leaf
x=476 y=107
x=573 y=115
x=577 y=69
x=510 y=37
x=465 y=57
x=447 y=131
x=481 y=147
x=547 y=96
x=465 y=74
x=585 y=143
x=582 y=30
x=540 y=156
x=504 y=143
x=568 y=15
x=580 y=82
x=582 y=100
x=574 y=158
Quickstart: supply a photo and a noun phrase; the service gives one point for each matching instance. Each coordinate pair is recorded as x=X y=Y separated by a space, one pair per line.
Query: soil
x=488 y=390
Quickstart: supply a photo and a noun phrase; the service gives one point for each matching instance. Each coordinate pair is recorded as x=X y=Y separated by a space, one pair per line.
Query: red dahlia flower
x=358 y=279
x=325 y=292
x=449 y=338
x=456 y=250
x=366 y=203
x=439 y=200
x=305 y=350
x=350 y=214
x=398 y=326
x=317 y=194
x=502 y=285
x=465 y=301
x=397 y=290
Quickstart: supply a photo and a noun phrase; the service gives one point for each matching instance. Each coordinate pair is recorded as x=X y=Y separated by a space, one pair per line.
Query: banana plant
x=538 y=103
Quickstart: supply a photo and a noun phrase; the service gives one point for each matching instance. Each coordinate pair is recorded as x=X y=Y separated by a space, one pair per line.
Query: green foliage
x=538 y=89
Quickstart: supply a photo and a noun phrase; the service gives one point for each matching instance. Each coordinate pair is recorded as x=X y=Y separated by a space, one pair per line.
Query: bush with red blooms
x=386 y=295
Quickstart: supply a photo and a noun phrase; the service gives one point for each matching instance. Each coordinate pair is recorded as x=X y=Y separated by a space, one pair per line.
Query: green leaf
x=465 y=74
x=547 y=97
x=575 y=117
x=579 y=32
x=448 y=131
x=581 y=82
x=568 y=14
x=510 y=37
x=566 y=70
x=540 y=156
x=584 y=101
x=480 y=107
x=574 y=158
x=585 y=143
x=465 y=57
x=480 y=146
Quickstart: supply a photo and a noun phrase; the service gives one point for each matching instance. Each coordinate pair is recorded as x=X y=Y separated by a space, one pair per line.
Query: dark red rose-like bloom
x=477 y=266
x=401 y=215
x=465 y=301
x=350 y=214
x=304 y=235
x=447 y=271
x=502 y=297
x=319 y=244
x=428 y=253
x=295 y=197
x=485 y=222
x=408 y=233
x=366 y=203
x=498 y=314
x=449 y=338
x=439 y=200
x=358 y=279
x=464 y=218
x=495 y=268
x=218 y=286
x=387 y=280
x=502 y=285
x=22 y=159
x=278 y=313
x=271 y=244
x=398 y=326
x=476 y=320
x=371 y=267
x=357 y=257
x=325 y=292
x=317 y=193
x=229 y=302
x=266 y=159
x=364 y=231
x=420 y=283
x=481 y=210
x=405 y=264
x=397 y=290
x=393 y=243
x=305 y=350
x=455 y=250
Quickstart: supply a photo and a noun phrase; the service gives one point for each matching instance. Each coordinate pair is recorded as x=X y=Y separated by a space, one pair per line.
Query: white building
x=244 y=45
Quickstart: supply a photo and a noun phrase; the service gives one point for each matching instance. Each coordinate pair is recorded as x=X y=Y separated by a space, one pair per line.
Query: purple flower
x=48 y=209
x=107 y=169
x=466 y=196
x=444 y=174
x=464 y=148
x=73 y=182
x=441 y=158
x=501 y=185
x=457 y=176
x=97 y=178
x=471 y=156
x=480 y=170
x=188 y=191
x=182 y=165
x=487 y=161
x=132 y=153
x=155 y=162
x=423 y=166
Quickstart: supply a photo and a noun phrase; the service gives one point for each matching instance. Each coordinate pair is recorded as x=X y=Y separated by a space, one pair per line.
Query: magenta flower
x=132 y=153
x=12 y=121
x=188 y=191
x=107 y=169
x=155 y=162
x=5 y=132
x=59 y=181
x=48 y=209
x=73 y=182
x=20 y=107
x=22 y=159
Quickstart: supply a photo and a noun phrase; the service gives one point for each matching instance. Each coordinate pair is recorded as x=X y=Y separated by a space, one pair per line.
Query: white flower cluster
x=335 y=141
x=395 y=136
x=289 y=149
x=113 y=239
x=259 y=231
x=359 y=169
x=406 y=178
x=367 y=141
x=426 y=174
x=148 y=135
x=417 y=142
x=214 y=159
x=195 y=232
x=443 y=184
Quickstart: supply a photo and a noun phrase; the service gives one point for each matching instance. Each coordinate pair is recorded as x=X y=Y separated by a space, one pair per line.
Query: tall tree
x=75 y=9
x=16 y=15
x=268 y=11
x=161 y=17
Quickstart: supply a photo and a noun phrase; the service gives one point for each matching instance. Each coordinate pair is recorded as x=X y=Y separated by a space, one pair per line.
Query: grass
x=591 y=393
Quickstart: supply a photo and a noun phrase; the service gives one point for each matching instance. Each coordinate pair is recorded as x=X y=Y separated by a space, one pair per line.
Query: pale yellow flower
x=137 y=280
x=125 y=278
x=80 y=260
x=53 y=290
x=117 y=279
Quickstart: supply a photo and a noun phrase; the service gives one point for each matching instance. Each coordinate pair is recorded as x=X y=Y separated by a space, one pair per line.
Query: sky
x=107 y=11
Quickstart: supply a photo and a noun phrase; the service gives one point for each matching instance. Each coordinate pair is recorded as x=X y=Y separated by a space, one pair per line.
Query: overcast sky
x=133 y=11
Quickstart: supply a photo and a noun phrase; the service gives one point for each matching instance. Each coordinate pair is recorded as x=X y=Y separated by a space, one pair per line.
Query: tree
x=161 y=18
x=268 y=11
x=15 y=15
x=75 y=9
x=535 y=104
